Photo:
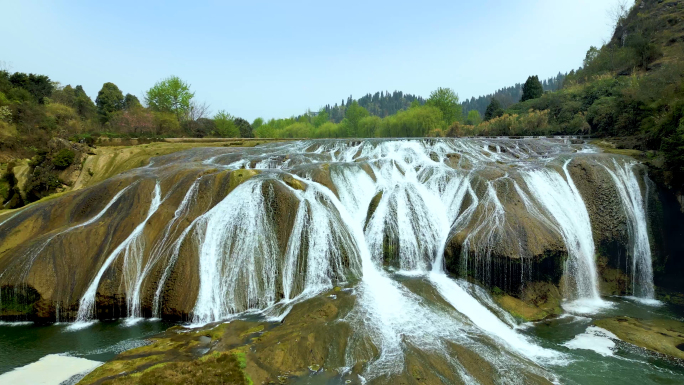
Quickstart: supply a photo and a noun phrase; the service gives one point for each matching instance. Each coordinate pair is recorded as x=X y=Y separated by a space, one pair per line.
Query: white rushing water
x=561 y=199
x=625 y=178
x=423 y=194
x=131 y=248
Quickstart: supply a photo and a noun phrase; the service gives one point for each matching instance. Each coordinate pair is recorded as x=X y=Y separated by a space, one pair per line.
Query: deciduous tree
x=446 y=100
x=170 y=95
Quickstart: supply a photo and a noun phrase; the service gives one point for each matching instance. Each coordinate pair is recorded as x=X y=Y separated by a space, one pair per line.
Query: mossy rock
x=294 y=183
x=658 y=335
x=239 y=177
x=538 y=301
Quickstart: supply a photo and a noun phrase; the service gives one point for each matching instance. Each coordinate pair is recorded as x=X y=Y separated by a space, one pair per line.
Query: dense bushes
x=64 y=158
x=418 y=121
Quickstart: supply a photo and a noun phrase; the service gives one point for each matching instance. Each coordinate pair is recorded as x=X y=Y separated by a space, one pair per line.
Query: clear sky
x=278 y=58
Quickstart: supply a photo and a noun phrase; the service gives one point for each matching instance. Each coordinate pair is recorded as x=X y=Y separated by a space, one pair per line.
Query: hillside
x=508 y=96
x=381 y=104
x=632 y=88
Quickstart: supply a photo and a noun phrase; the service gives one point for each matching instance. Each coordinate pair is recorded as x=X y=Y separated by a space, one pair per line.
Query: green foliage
x=473 y=118
x=415 y=122
x=644 y=51
x=321 y=118
x=369 y=126
x=244 y=128
x=532 y=89
x=353 y=115
x=494 y=110
x=131 y=102
x=170 y=95
x=64 y=158
x=508 y=96
x=166 y=123
x=257 y=123
x=38 y=86
x=380 y=104
x=446 y=100
x=225 y=127
x=109 y=100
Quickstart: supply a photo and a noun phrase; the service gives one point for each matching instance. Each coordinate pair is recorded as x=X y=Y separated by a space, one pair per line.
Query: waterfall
x=132 y=248
x=35 y=250
x=561 y=199
x=135 y=277
x=394 y=317
x=381 y=218
x=625 y=179
x=238 y=255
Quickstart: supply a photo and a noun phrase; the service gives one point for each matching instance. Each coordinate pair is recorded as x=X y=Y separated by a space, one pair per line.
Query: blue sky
x=277 y=58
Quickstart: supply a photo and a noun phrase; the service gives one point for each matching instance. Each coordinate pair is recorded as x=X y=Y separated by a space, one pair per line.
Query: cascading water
x=378 y=217
x=561 y=199
x=627 y=184
x=132 y=248
x=160 y=250
x=238 y=256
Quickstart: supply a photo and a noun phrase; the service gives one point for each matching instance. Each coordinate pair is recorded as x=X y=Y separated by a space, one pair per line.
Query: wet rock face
x=666 y=225
x=606 y=210
x=138 y=244
x=300 y=348
x=52 y=252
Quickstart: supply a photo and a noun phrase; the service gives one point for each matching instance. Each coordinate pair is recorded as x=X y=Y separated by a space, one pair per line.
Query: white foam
x=52 y=369
x=79 y=325
x=18 y=323
x=645 y=301
x=467 y=305
x=586 y=306
x=596 y=339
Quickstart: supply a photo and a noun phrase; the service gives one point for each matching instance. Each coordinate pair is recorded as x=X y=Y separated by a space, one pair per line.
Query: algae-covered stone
x=239 y=177
x=658 y=335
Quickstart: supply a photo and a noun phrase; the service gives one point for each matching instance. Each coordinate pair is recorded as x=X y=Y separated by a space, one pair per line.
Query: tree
x=258 y=122
x=130 y=102
x=109 y=100
x=494 y=110
x=322 y=118
x=532 y=89
x=354 y=114
x=446 y=100
x=592 y=54
x=39 y=86
x=170 y=95
x=474 y=118
x=244 y=127
x=195 y=118
x=225 y=127
x=83 y=104
x=643 y=50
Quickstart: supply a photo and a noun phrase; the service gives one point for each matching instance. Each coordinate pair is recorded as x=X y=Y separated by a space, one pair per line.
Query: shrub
x=64 y=158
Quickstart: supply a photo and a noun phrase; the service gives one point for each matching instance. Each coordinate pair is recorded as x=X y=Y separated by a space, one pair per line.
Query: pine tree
x=533 y=89
x=494 y=110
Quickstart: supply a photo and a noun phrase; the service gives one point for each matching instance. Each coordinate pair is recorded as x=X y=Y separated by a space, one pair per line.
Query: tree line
x=508 y=96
